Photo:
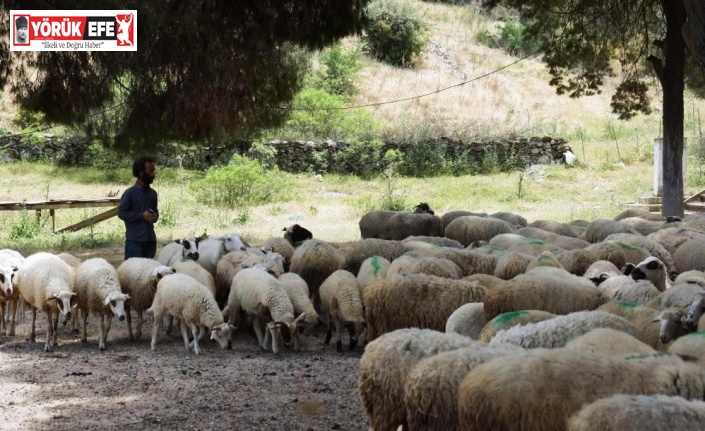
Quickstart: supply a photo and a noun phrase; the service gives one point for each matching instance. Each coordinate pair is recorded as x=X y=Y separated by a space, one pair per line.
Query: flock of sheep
x=469 y=321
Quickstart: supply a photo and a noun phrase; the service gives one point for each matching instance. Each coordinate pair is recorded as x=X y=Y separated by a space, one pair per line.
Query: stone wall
x=294 y=156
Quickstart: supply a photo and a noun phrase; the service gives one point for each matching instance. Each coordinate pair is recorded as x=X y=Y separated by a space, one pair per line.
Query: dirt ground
x=130 y=387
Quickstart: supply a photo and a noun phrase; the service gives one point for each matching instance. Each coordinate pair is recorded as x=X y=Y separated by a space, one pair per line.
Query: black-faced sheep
x=296 y=234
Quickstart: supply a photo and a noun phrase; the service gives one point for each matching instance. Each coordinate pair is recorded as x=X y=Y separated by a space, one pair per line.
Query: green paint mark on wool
x=622 y=304
x=697 y=334
x=625 y=246
x=185 y=259
x=645 y=356
x=507 y=318
x=537 y=242
x=375 y=264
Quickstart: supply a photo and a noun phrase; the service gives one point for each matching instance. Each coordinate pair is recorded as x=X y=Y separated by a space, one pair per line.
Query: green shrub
x=263 y=153
x=26 y=228
x=396 y=33
x=485 y=37
x=338 y=76
x=360 y=158
x=243 y=182
x=423 y=159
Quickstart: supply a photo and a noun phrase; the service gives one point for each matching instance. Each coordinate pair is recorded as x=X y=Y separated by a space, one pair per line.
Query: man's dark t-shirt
x=134 y=202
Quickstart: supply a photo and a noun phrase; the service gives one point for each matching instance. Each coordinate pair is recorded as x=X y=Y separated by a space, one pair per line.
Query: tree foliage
x=204 y=69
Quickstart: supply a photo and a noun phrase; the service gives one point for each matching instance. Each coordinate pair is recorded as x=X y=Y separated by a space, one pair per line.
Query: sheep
x=689 y=256
x=468 y=229
x=314 y=261
x=654 y=270
x=138 y=278
x=562 y=241
x=212 y=249
x=70 y=260
x=546 y=258
x=600 y=229
x=608 y=341
x=601 y=270
x=435 y=240
x=672 y=237
x=539 y=389
x=639 y=413
x=434 y=266
x=195 y=270
x=625 y=288
x=10 y=261
x=631 y=253
x=452 y=215
x=361 y=250
x=419 y=300
x=646 y=227
x=372 y=269
x=543 y=288
x=690 y=347
x=691 y=277
x=231 y=263
x=262 y=298
x=297 y=291
x=557 y=331
x=45 y=282
x=397 y=225
x=181 y=296
x=399 y=267
x=511 y=218
x=519 y=243
x=431 y=388
x=341 y=304
x=296 y=235
x=554 y=226
x=381 y=386
x=680 y=295
x=281 y=246
x=654 y=248
x=98 y=290
x=638 y=213
x=511 y=264
x=579 y=260
x=469 y=261
x=468 y=320
x=656 y=328
x=510 y=319
x=486 y=280
x=179 y=249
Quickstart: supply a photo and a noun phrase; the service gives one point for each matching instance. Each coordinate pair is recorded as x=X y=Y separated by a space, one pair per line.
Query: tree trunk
x=672 y=82
x=694 y=29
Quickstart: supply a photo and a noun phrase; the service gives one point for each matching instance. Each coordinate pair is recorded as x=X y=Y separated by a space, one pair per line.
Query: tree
x=204 y=69
x=581 y=38
x=694 y=29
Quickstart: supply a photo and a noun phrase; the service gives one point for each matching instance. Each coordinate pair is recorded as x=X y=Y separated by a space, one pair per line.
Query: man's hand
x=150 y=216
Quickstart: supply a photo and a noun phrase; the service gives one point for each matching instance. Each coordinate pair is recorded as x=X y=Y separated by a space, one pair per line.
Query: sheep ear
x=299 y=320
x=15 y=268
x=178 y=241
x=628 y=268
x=597 y=280
x=107 y=299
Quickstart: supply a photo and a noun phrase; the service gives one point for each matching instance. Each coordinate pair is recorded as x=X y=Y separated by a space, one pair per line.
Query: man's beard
x=147 y=180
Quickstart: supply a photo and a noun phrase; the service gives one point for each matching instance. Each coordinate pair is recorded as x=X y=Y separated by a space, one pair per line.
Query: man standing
x=138 y=209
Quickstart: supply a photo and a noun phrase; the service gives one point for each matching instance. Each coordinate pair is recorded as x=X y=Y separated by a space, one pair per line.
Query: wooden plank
x=60 y=203
x=698 y=197
x=112 y=212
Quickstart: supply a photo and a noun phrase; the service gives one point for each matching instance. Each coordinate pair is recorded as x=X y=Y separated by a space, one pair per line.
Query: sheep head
x=116 y=302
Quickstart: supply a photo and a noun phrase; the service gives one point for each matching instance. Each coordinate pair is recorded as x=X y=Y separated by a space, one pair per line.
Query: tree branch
x=657 y=64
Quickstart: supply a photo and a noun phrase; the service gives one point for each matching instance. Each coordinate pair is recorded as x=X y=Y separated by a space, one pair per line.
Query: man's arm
x=125 y=212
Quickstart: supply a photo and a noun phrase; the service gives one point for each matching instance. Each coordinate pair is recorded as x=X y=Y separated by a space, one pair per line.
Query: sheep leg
x=50 y=331
x=129 y=322
x=108 y=325
x=257 y=326
x=329 y=331
x=196 y=330
x=275 y=339
x=339 y=341
x=84 y=313
x=74 y=323
x=13 y=317
x=140 y=321
x=3 y=325
x=55 y=329
x=101 y=337
x=155 y=328
x=184 y=333
x=169 y=325
x=33 y=334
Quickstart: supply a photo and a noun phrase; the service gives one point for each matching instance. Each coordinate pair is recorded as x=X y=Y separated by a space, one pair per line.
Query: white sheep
x=372 y=269
x=639 y=413
x=212 y=249
x=195 y=270
x=690 y=255
x=98 y=290
x=297 y=291
x=263 y=300
x=386 y=364
x=625 y=288
x=654 y=270
x=181 y=296
x=282 y=246
x=539 y=389
x=178 y=249
x=138 y=278
x=557 y=331
x=10 y=261
x=510 y=319
x=690 y=347
x=608 y=341
x=468 y=320
x=314 y=261
x=45 y=283
x=341 y=305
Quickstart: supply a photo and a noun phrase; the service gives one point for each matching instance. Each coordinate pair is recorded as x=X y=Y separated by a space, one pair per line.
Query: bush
x=338 y=77
x=511 y=37
x=423 y=159
x=396 y=33
x=360 y=158
x=26 y=228
x=243 y=182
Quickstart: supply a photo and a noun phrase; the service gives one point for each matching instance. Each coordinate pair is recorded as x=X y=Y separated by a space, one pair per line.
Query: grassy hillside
x=615 y=157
